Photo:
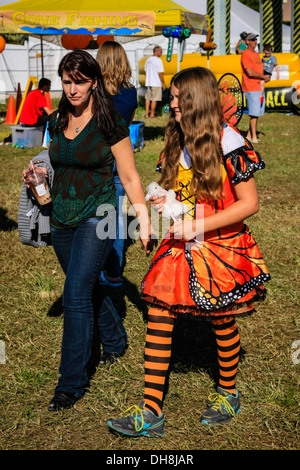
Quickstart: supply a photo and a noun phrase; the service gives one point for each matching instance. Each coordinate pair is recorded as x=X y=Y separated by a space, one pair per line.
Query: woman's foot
x=108 y=358
x=61 y=401
x=106 y=280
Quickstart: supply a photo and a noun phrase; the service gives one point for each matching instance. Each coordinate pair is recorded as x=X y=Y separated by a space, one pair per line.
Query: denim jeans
x=114 y=267
x=82 y=254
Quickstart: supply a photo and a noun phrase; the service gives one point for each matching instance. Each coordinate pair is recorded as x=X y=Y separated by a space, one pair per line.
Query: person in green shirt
x=87 y=135
x=241 y=45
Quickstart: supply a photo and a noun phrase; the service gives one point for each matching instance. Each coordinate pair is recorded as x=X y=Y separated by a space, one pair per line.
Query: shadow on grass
x=194 y=346
x=6 y=224
x=244 y=133
x=152 y=133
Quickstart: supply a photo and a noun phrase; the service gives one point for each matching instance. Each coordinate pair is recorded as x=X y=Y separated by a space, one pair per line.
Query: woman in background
x=116 y=72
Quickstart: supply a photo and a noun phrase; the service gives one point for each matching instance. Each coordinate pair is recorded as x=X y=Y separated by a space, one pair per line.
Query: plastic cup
x=38 y=184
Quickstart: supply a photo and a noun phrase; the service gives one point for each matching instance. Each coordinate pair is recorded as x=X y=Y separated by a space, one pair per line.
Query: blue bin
x=136 y=134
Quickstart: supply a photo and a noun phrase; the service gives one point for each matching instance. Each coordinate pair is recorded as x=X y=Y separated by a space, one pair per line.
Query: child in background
x=209 y=265
x=270 y=63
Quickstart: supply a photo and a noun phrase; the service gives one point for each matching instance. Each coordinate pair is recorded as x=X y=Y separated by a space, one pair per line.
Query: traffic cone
x=11 y=111
x=48 y=99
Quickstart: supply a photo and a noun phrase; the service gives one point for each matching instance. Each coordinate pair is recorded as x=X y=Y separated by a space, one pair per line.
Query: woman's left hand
x=149 y=243
x=148 y=237
x=185 y=229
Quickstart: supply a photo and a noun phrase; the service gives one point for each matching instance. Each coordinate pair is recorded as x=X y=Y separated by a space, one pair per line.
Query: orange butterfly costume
x=224 y=273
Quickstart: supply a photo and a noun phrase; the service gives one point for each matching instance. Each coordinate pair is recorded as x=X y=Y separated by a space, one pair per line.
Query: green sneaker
x=223 y=407
x=139 y=421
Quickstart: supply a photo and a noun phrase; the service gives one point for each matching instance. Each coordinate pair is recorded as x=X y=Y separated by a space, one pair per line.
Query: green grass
x=31 y=323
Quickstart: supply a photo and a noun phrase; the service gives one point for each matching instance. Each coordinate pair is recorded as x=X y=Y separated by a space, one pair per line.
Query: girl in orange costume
x=208 y=265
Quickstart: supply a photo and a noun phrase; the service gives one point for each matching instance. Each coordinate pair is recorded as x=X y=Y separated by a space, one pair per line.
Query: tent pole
x=292 y=25
x=261 y=27
x=42 y=56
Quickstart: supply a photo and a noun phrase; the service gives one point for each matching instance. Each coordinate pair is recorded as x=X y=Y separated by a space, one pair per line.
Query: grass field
x=31 y=327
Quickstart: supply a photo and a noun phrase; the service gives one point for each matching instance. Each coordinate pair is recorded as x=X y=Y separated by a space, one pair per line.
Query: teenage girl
x=208 y=265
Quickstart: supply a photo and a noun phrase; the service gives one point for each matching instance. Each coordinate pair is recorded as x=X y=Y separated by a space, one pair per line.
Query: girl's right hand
x=158 y=203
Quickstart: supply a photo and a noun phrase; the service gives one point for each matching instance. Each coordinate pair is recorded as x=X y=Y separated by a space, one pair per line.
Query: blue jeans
x=82 y=254
x=114 y=266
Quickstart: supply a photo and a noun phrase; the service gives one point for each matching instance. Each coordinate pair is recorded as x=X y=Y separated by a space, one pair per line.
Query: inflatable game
x=281 y=95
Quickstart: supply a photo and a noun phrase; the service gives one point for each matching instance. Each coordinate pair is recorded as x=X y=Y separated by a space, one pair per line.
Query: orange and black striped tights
x=158 y=354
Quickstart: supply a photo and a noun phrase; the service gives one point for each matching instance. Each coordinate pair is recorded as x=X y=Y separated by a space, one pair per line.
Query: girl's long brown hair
x=199 y=130
x=114 y=65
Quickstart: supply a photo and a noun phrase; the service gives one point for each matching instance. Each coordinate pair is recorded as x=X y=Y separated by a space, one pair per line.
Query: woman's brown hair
x=80 y=65
x=114 y=65
x=199 y=130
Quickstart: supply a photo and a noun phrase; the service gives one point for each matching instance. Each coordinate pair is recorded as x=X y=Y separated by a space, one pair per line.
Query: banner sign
x=108 y=23
x=281 y=99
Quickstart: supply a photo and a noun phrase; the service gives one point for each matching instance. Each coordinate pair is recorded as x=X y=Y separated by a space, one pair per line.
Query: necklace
x=77 y=128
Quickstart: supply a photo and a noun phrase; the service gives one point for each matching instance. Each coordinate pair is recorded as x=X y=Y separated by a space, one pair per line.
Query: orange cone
x=48 y=99
x=11 y=111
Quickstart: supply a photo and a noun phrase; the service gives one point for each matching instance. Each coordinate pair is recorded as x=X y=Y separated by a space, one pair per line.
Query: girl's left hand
x=185 y=229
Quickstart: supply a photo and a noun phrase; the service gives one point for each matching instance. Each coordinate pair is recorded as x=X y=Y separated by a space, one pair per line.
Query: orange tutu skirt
x=218 y=277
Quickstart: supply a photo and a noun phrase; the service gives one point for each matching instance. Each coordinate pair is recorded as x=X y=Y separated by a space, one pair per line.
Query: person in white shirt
x=154 y=70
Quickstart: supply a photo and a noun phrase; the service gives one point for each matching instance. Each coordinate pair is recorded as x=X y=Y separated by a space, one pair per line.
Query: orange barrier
x=48 y=99
x=11 y=111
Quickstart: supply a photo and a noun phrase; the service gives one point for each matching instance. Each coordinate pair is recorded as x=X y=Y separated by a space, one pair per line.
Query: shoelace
x=136 y=411
x=218 y=400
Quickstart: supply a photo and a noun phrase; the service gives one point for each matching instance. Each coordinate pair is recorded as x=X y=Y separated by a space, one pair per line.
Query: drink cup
x=35 y=178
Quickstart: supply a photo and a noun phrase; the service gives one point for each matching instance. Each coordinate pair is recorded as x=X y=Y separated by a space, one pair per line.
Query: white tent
x=17 y=63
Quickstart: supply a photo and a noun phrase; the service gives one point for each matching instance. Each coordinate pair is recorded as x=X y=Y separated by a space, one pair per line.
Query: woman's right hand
x=25 y=173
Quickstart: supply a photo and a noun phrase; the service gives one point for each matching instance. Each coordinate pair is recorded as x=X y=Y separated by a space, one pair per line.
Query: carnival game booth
x=281 y=95
x=57 y=20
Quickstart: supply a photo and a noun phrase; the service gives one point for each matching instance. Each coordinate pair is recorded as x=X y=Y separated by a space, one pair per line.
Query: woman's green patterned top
x=83 y=166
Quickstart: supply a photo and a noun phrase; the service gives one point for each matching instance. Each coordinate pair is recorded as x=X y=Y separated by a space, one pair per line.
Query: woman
x=241 y=45
x=116 y=72
x=209 y=265
x=87 y=136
